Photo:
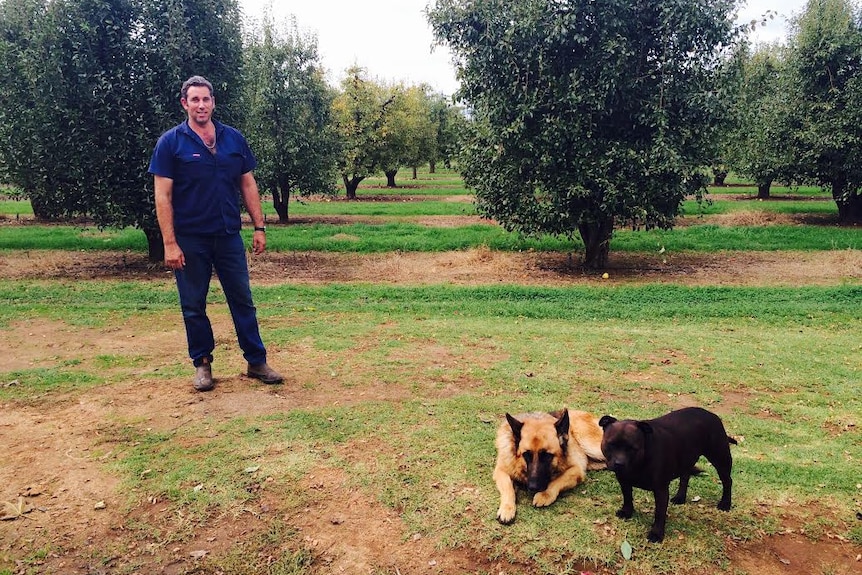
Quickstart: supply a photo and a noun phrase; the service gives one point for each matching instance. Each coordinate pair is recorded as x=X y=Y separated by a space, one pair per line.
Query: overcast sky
x=393 y=41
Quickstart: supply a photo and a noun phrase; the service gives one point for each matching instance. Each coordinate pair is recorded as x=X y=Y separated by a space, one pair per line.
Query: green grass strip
x=406 y=237
x=691 y=209
x=404 y=209
x=632 y=303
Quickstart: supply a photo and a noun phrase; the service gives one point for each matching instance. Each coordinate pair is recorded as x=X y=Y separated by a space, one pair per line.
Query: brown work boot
x=204 y=376
x=263 y=372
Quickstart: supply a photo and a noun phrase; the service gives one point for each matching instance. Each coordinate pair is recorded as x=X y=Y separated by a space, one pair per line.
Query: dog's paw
x=677 y=500
x=655 y=537
x=625 y=513
x=506 y=514
x=724 y=505
x=544 y=498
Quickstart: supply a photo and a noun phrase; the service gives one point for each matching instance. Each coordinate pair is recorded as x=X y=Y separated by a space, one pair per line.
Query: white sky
x=393 y=41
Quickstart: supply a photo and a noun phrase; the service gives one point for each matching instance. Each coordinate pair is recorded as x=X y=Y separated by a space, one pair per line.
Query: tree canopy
x=757 y=142
x=825 y=79
x=361 y=113
x=587 y=115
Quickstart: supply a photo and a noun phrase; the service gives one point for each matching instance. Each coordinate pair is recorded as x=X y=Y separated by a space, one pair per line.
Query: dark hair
x=195 y=81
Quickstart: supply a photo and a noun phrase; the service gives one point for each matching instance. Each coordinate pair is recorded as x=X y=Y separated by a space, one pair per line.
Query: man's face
x=199 y=104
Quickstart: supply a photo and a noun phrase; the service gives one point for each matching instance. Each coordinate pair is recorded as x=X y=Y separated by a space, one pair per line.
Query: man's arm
x=164 y=187
x=251 y=199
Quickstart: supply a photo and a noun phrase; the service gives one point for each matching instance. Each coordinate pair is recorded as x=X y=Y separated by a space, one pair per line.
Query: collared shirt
x=206 y=194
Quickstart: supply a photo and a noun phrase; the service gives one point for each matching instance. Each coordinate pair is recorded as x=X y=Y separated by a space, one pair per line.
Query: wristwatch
x=260 y=229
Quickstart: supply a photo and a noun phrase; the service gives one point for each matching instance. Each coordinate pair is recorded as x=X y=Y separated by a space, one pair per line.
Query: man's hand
x=258 y=243
x=174 y=257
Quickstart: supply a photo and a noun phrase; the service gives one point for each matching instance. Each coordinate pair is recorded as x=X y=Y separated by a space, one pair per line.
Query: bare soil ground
x=56 y=494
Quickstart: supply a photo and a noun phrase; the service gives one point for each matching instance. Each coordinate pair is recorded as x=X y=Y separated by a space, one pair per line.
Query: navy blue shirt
x=206 y=193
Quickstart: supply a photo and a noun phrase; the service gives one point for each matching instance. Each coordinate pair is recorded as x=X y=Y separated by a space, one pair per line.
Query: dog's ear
x=645 y=427
x=606 y=420
x=516 y=428
x=562 y=423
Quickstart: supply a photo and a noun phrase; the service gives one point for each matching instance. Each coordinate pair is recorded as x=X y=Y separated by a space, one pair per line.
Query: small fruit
x=605 y=276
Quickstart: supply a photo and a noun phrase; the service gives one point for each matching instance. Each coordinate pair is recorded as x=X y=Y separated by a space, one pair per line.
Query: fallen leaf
x=251 y=469
x=198 y=554
x=12 y=511
x=626 y=549
x=100 y=505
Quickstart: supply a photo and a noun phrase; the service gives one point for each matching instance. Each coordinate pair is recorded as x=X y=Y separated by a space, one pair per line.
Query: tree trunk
x=280 y=198
x=415 y=170
x=432 y=167
x=848 y=201
x=390 y=178
x=597 y=242
x=763 y=189
x=718 y=177
x=155 y=245
x=350 y=186
x=39 y=206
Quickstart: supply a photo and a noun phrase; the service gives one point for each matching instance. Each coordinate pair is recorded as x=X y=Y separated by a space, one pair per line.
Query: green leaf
x=626 y=549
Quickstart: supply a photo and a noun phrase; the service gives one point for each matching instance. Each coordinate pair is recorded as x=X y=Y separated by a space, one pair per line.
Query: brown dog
x=545 y=452
x=650 y=454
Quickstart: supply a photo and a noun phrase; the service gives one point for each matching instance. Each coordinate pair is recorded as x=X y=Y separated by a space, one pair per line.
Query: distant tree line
x=87 y=86
x=797 y=109
x=580 y=117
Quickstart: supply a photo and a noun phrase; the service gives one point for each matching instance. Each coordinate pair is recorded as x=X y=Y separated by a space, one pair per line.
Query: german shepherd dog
x=546 y=453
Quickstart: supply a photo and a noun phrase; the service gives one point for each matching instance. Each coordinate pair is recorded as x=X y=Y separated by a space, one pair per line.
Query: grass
x=407 y=237
x=396 y=209
x=628 y=351
x=791 y=207
x=741 y=187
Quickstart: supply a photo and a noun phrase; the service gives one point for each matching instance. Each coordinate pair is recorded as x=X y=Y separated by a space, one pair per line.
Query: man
x=202 y=168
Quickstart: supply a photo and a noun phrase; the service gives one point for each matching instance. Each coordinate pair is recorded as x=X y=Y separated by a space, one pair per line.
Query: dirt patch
x=469 y=267
x=760 y=218
x=794 y=554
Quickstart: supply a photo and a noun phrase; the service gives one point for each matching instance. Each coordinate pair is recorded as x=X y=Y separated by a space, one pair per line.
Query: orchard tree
x=71 y=112
x=394 y=133
x=757 y=145
x=288 y=119
x=360 y=112
x=825 y=67
x=424 y=126
x=23 y=24
x=92 y=84
x=587 y=115
x=450 y=123
x=410 y=131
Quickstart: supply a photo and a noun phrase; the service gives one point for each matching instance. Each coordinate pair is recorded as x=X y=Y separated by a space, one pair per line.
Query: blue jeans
x=225 y=254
